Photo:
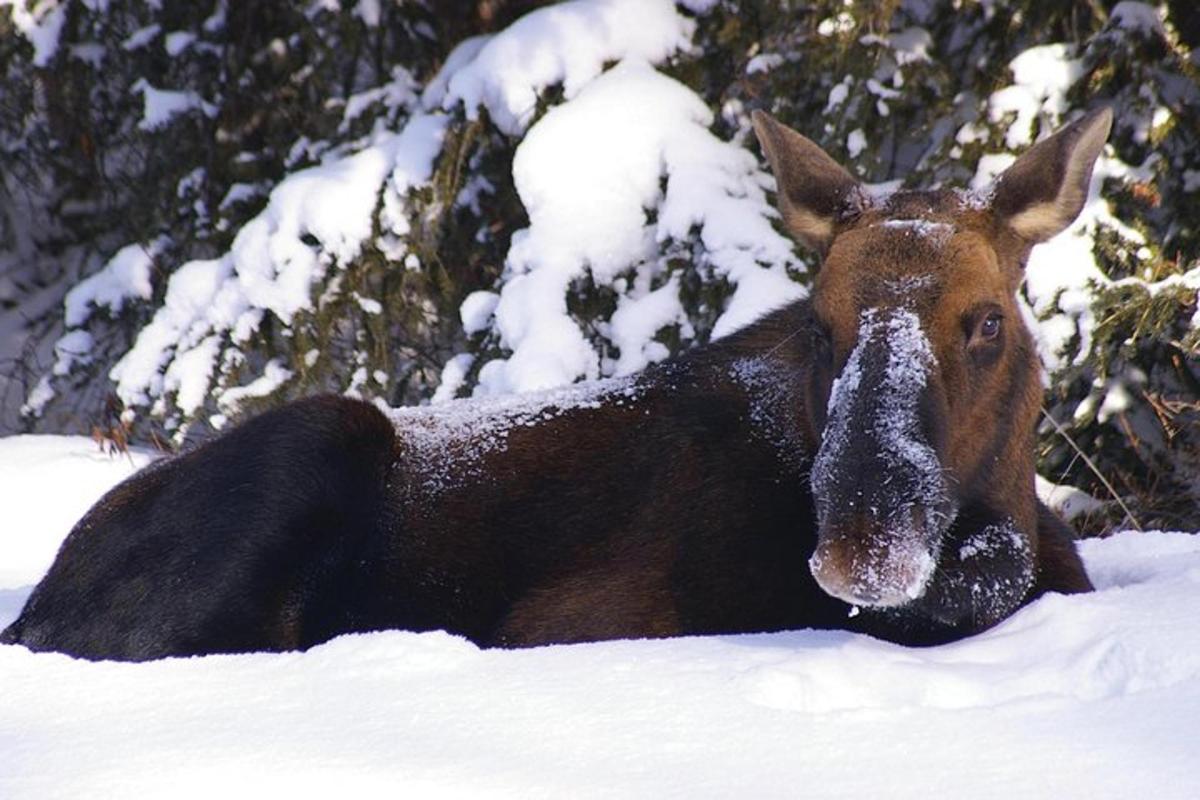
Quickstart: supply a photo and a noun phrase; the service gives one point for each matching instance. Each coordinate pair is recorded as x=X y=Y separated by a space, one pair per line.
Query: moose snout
x=864 y=563
x=882 y=494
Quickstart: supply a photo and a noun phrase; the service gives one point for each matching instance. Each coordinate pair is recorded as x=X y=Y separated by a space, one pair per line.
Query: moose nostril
x=868 y=572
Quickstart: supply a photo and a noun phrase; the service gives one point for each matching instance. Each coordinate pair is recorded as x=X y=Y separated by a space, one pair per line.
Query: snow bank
x=1092 y=695
x=46 y=483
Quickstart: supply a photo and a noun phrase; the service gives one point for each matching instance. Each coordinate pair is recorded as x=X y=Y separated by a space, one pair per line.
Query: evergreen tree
x=207 y=208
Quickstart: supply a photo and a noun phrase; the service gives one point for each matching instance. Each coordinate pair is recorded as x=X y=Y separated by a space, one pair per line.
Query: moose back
x=867 y=449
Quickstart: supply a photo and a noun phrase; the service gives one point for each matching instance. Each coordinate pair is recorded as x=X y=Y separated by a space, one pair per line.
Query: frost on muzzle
x=883 y=504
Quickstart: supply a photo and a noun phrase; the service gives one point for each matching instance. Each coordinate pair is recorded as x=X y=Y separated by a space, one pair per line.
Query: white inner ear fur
x=807 y=225
x=1041 y=221
x=809 y=181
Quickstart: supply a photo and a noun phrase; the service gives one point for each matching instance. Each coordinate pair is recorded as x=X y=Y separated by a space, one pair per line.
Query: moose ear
x=813 y=187
x=1045 y=189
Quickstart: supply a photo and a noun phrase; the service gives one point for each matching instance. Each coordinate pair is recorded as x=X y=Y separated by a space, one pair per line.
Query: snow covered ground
x=1092 y=696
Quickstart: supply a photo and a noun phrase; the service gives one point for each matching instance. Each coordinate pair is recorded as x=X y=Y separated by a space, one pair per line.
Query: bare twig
x=1092 y=466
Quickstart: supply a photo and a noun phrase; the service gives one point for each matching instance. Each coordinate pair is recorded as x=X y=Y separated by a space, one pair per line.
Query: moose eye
x=989 y=326
x=983 y=330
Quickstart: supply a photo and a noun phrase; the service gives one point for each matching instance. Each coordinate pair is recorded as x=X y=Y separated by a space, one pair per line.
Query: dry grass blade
x=1092 y=466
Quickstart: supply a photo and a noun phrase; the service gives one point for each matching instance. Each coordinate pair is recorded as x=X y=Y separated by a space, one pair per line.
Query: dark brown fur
x=681 y=503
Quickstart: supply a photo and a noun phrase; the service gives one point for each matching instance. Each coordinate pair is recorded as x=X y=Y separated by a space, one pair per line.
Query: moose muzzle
x=883 y=502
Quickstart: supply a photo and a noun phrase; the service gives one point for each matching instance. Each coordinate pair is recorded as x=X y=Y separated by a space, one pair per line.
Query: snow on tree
x=208 y=208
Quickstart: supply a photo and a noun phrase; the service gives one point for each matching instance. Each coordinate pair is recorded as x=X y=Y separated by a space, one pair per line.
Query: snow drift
x=1089 y=695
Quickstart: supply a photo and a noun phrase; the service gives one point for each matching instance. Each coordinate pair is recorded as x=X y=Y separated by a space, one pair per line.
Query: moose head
x=923 y=388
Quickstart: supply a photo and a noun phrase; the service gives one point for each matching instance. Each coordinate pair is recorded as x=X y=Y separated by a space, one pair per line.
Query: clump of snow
x=399 y=92
x=763 y=62
x=1141 y=17
x=856 y=142
x=41 y=25
x=141 y=37
x=369 y=305
x=879 y=90
x=983 y=184
x=125 y=276
x=586 y=173
x=332 y=202
x=567 y=44
x=160 y=106
x=637 y=320
x=1191 y=180
x=369 y=12
x=215 y=22
x=240 y=193
x=90 y=53
x=274 y=375
x=464 y=53
x=911 y=46
x=876 y=195
x=176 y=42
x=1117 y=400
x=834 y=26
x=195 y=293
x=839 y=93
x=453 y=378
x=476 y=311
x=41 y=394
x=189 y=374
x=1041 y=77
x=75 y=347
x=1067 y=501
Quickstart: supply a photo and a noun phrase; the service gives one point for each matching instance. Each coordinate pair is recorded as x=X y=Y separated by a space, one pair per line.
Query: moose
x=860 y=459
